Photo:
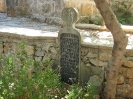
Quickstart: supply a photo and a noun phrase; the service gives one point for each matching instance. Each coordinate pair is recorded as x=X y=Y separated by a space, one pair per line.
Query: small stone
x=53 y=50
x=39 y=53
x=103 y=64
x=104 y=57
x=129 y=53
x=47 y=57
x=41 y=1
x=30 y=50
x=120 y=79
x=124 y=90
x=6 y=49
x=128 y=63
x=123 y=71
x=84 y=51
x=38 y=59
x=1 y=48
x=127 y=72
x=94 y=61
x=130 y=73
x=130 y=82
x=46 y=48
x=96 y=81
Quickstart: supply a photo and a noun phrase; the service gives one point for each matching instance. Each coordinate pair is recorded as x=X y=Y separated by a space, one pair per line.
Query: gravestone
x=69 y=40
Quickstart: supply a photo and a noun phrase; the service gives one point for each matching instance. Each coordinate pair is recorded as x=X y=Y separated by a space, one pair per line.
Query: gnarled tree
x=119 y=48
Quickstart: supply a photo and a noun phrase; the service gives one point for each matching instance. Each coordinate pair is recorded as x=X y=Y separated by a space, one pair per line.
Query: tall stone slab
x=69 y=40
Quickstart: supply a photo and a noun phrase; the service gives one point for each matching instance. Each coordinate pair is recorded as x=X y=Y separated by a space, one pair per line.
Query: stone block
x=129 y=53
x=130 y=82
x=84 y=51
x=38 y=59
x=1 y=48
x=95 y=62
x=120 y=79
x=128 y=64
x=30 y=50
x=96 y=81
x=6 y=48
x=41 y=1
x=127 y=72
x=125 y=91
x=47 y=57
x=17 y=8
x=104 y=56
x=39 y=53
x=2 y=5
x=103 y=64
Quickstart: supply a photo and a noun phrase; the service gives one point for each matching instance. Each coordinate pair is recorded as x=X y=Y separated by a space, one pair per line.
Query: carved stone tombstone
x=69 y=40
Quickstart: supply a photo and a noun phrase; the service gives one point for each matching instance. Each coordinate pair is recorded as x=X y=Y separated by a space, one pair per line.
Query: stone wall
x=17 y=8
x=43 y=10
x=2 y=6
x=85 y=7
x=88 y=7
x=94 y=59
x=50 y=8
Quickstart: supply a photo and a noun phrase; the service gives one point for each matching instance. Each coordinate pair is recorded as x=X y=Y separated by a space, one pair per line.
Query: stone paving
x=28 y=27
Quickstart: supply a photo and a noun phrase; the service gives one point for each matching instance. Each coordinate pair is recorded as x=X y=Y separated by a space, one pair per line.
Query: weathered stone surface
x=2 y=5
x=120 y=79
x=125 y=91
x=96 y=81
x=103 y=64
x=6 y=48
x=39 y=53
x=129 y=81
x=1 y=48
x=84 y=51
x=53 y=50
x=83 y=19
x=94 y=61
x=128 y=64
x=86 y=58
x=41 y=1
x=119 y=98
x=127 y=72
x=30 y=50
x=129 y=53
x=47 y=46
x=130 y=73
x=95 y=19
x=91 y=55
x=47 y=57
x=38 y=59
x=17 y=8
x=85 y=7
x=104 y=56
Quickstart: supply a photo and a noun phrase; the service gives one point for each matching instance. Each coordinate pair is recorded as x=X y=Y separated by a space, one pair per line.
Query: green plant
x=122 y=10
x=27 y=82
x=79 y=92
x=20 y=82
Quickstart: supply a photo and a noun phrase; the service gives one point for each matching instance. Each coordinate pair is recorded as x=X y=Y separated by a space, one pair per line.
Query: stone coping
x=32 y=29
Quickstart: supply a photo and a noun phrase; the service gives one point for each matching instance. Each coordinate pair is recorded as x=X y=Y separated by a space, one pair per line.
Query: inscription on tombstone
x=69 y=39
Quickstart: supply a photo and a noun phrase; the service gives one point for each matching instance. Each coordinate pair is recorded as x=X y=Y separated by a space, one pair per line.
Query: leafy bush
x=27 y=82
x=123 y=11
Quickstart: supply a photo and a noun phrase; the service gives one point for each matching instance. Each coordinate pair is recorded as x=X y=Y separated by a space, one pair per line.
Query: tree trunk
x=119 y=48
